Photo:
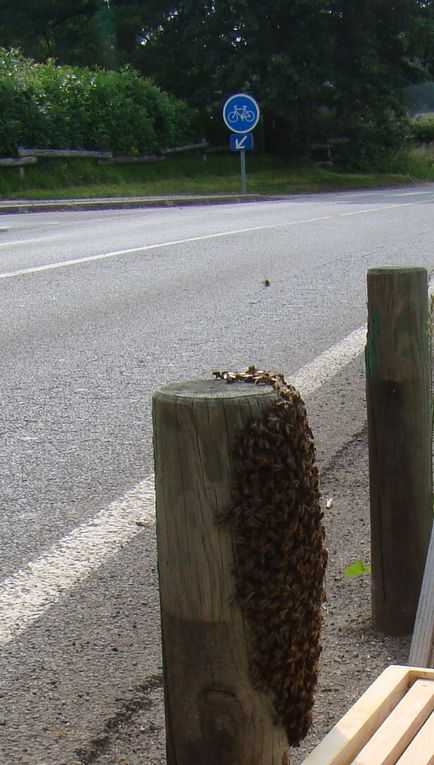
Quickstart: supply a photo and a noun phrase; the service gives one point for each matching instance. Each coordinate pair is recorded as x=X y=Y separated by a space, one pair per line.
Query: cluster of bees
x=276 y=523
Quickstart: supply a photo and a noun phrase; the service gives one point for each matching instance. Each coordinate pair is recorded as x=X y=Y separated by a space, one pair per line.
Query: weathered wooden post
x=399 y=425
x=215 y=714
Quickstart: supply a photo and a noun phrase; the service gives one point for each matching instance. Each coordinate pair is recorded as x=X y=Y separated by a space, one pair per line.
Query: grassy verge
x=220 y=174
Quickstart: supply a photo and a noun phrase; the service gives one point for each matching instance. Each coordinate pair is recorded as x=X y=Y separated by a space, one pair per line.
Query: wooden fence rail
x=27 y=155
x=17 y=161
x=63 y=153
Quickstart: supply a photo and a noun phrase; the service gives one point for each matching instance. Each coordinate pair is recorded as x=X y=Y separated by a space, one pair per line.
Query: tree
x=74 y=32
x=379 y=47
x=48 y=29
x=318 y=67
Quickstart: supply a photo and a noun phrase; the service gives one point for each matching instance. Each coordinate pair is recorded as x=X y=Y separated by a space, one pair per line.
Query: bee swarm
x=276 y=523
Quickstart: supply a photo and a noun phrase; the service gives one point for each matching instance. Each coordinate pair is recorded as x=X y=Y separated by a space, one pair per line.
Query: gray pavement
x=98 y=309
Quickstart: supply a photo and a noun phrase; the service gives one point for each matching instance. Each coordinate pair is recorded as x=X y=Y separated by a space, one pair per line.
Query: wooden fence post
x=214 y=715
x=399 y=428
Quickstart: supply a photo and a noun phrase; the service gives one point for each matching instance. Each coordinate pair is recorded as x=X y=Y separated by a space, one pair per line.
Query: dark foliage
x=319 y=68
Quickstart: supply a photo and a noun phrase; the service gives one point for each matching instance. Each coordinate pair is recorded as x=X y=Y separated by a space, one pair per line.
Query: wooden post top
x=213 y=389
x=404 y=269
x=196 y=424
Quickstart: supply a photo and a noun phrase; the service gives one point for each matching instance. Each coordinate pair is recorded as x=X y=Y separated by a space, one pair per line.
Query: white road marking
x=30 y=592
x=27 y=594
x=411 y=193
x=175 y=242
x=376 y=209
x=322 y=369
x=146 y=247
x=35 y=240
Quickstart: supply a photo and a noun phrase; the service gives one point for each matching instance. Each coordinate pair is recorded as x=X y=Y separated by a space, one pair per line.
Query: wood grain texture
x=213 y=713
x=421 y=749
x=392 y=738
x=398 y=392
x=355 y=728
x=352 y=734
x=422 y=644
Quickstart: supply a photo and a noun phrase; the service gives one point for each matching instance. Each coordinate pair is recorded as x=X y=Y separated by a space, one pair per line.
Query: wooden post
x=213 y=713
x=399 y=426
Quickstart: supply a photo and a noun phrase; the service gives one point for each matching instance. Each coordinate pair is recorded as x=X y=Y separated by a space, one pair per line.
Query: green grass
x=415 y=164
x=424 y=117
x=220 y=174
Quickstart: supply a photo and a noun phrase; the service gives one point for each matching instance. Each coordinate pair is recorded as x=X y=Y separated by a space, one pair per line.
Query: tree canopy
x=319 y=68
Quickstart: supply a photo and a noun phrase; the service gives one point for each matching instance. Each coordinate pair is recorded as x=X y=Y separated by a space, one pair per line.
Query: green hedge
x=423 y=131
x=49 y=106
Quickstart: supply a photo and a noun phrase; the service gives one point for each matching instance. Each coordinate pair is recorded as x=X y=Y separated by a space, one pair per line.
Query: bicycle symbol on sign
x=240 y=113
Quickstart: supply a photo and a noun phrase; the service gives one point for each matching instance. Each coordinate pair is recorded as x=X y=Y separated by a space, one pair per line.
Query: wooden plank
x=133 y=160
x=355 y=728
x=421 y=749
x=158 y=157
x=27 y=152
x=401 y=726
x=398 y=394
x=17 y=161
x=187 y=147
x=347 y=738
x=217 y=150
x=108 y=155
x=422 y=644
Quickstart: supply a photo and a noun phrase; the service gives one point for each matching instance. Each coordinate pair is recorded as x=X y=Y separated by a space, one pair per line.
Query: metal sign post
x=241 y=115
x=243 y=172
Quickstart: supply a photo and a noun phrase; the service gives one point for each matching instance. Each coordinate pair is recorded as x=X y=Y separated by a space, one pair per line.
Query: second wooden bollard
x=398 y=386
x=213 y=713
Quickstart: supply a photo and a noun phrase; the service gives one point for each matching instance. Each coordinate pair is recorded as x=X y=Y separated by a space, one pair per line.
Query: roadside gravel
x=353 y=653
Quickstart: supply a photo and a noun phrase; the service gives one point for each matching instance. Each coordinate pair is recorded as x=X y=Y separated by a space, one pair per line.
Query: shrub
x=422 y=132
x=50 y=106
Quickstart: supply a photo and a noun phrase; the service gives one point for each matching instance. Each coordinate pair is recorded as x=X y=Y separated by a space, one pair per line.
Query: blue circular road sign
x=241 y=113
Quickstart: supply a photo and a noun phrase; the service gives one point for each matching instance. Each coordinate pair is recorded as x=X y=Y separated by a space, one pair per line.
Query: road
x=99 y=309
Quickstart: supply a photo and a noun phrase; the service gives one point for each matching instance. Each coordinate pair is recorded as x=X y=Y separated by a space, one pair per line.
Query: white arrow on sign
x=240 y=143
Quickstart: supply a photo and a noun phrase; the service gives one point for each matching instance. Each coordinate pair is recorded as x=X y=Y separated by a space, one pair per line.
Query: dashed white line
x=177 y=242
x=146 y=247
x=377 y=209
x=35 y=240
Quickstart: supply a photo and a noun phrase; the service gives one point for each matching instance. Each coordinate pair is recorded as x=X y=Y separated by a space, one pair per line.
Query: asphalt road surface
x=98 y=310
